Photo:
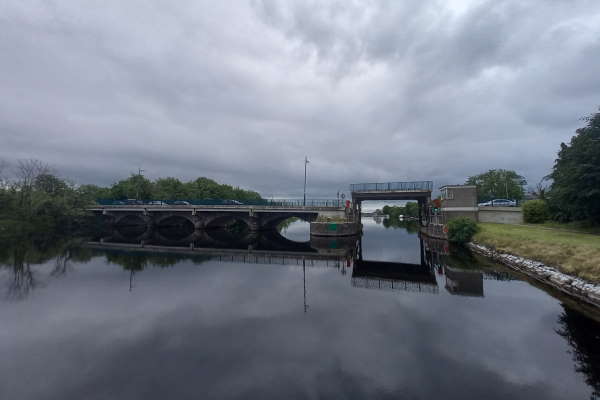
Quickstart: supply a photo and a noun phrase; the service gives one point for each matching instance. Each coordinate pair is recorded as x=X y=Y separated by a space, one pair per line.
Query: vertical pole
x=304 y=282
x=137 y=194
x=305 y=164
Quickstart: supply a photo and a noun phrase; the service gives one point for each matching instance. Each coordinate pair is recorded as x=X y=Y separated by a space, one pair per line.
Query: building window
x=447 y=194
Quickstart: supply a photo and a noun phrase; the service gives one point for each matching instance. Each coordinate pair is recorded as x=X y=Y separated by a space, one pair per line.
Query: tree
x=169 y=189
x=135 y=187
x=461 y=230
x=50 y=184
x=27 y=173
x=498 y=183
x=575 y=190
x=3 y=177
x=535 y=211
x=411 y=209
x=91 y=193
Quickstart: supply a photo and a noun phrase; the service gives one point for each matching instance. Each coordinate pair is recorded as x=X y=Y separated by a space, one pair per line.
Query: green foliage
x=140 y=188
x=36 y=199
x=575 y=191
x=535 y=211
x=461 y=230
x=134 y=187
x=169 y=188
x=411 y=209
x=92 y=192
x=498 y=183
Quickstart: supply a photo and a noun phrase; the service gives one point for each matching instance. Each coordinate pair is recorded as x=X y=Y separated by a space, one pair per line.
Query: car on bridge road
x=233 y=202
x=181 y=203
x=158 y=203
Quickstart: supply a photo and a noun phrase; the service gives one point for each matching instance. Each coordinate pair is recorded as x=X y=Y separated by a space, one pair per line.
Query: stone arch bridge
x=206 y=217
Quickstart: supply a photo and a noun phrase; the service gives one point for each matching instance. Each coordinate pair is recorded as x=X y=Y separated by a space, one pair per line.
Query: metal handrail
x=280 y=203
x=392 y=186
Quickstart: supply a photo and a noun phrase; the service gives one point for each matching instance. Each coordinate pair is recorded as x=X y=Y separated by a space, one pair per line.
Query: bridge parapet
x=416 y=186
x=256 y=217
x=275 y=203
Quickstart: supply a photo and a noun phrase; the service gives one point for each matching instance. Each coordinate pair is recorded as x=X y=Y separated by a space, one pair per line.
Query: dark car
x=232 y=202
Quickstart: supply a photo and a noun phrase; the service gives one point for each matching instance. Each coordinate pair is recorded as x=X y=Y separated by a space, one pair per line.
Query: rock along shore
x=573 y=286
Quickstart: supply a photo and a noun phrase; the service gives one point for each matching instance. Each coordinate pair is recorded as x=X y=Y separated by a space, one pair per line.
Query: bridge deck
x=213 y=208
x=391 y=190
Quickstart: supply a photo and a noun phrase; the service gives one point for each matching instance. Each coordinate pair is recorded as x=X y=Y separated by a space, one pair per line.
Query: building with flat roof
x=459 y=201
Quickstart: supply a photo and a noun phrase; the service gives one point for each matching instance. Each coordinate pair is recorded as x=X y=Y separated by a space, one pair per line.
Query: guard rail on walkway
x=282 y=203
x=417 y=186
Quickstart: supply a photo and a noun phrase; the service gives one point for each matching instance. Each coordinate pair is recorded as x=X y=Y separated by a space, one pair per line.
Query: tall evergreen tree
x=575 y=191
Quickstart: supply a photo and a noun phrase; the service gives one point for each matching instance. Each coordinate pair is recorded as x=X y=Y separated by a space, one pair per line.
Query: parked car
x=181 y=203
x=157 y=203
x=499 y=203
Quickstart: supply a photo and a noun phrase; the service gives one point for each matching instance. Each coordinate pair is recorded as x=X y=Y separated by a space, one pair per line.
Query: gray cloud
x=369 y=90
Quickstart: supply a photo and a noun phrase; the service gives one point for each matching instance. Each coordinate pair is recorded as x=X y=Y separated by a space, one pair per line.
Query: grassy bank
x=582 y=227
x=574 y=253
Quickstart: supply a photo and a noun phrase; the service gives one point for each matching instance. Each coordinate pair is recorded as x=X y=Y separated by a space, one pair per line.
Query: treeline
x=141 y=188
x=31 y=193
x=574 y=194
x=410 y=209
x=570 y=193
x=32 y=197
x=498 y=184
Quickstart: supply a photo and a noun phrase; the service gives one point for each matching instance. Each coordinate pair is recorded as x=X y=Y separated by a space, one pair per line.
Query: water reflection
x=257 y=315
x=583 y=335
x=136 y=248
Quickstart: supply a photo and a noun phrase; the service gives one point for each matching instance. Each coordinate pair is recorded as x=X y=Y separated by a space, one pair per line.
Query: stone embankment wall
x=573 y=286
x=501 y=215
x=334 y=228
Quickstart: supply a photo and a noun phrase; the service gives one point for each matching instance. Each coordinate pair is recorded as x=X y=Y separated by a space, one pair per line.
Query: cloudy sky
x=242 y=91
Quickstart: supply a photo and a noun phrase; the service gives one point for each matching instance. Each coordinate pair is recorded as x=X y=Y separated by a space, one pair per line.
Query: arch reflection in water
x=270 y=247
x=236 y=246
x=329 y=298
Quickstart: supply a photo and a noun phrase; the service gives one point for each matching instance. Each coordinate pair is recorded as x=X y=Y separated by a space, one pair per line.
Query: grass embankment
x=573 y=253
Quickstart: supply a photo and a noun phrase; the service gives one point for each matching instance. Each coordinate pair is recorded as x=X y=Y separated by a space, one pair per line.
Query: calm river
x=236 y=316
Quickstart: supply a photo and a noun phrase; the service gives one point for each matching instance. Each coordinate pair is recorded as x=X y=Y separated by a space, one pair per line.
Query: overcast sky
x=241 y=91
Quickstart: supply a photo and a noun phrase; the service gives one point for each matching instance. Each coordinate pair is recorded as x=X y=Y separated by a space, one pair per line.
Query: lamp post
x=305 y=164
x=137 y=195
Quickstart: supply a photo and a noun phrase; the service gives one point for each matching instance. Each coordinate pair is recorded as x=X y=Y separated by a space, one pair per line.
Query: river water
x=279 y=316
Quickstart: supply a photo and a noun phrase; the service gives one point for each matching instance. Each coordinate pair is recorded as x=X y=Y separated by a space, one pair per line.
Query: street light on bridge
x=305 y=164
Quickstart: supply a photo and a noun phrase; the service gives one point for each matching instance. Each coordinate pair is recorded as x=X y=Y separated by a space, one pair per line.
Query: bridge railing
x=281 y=203
x=417 y=186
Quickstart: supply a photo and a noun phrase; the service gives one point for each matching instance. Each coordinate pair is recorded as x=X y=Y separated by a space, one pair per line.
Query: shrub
x=535 y=211
x=461 y=230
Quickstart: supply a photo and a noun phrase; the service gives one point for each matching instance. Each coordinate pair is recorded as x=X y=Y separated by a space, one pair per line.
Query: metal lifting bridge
x=416 y=190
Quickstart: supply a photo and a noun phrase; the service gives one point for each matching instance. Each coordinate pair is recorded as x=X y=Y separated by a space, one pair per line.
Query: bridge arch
x=222 y=220
x=130 y=219
x=272 y=221
x=131 y=233
x=173 y=219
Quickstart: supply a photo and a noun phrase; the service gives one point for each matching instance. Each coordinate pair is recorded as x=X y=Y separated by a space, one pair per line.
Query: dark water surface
x=391 y=316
